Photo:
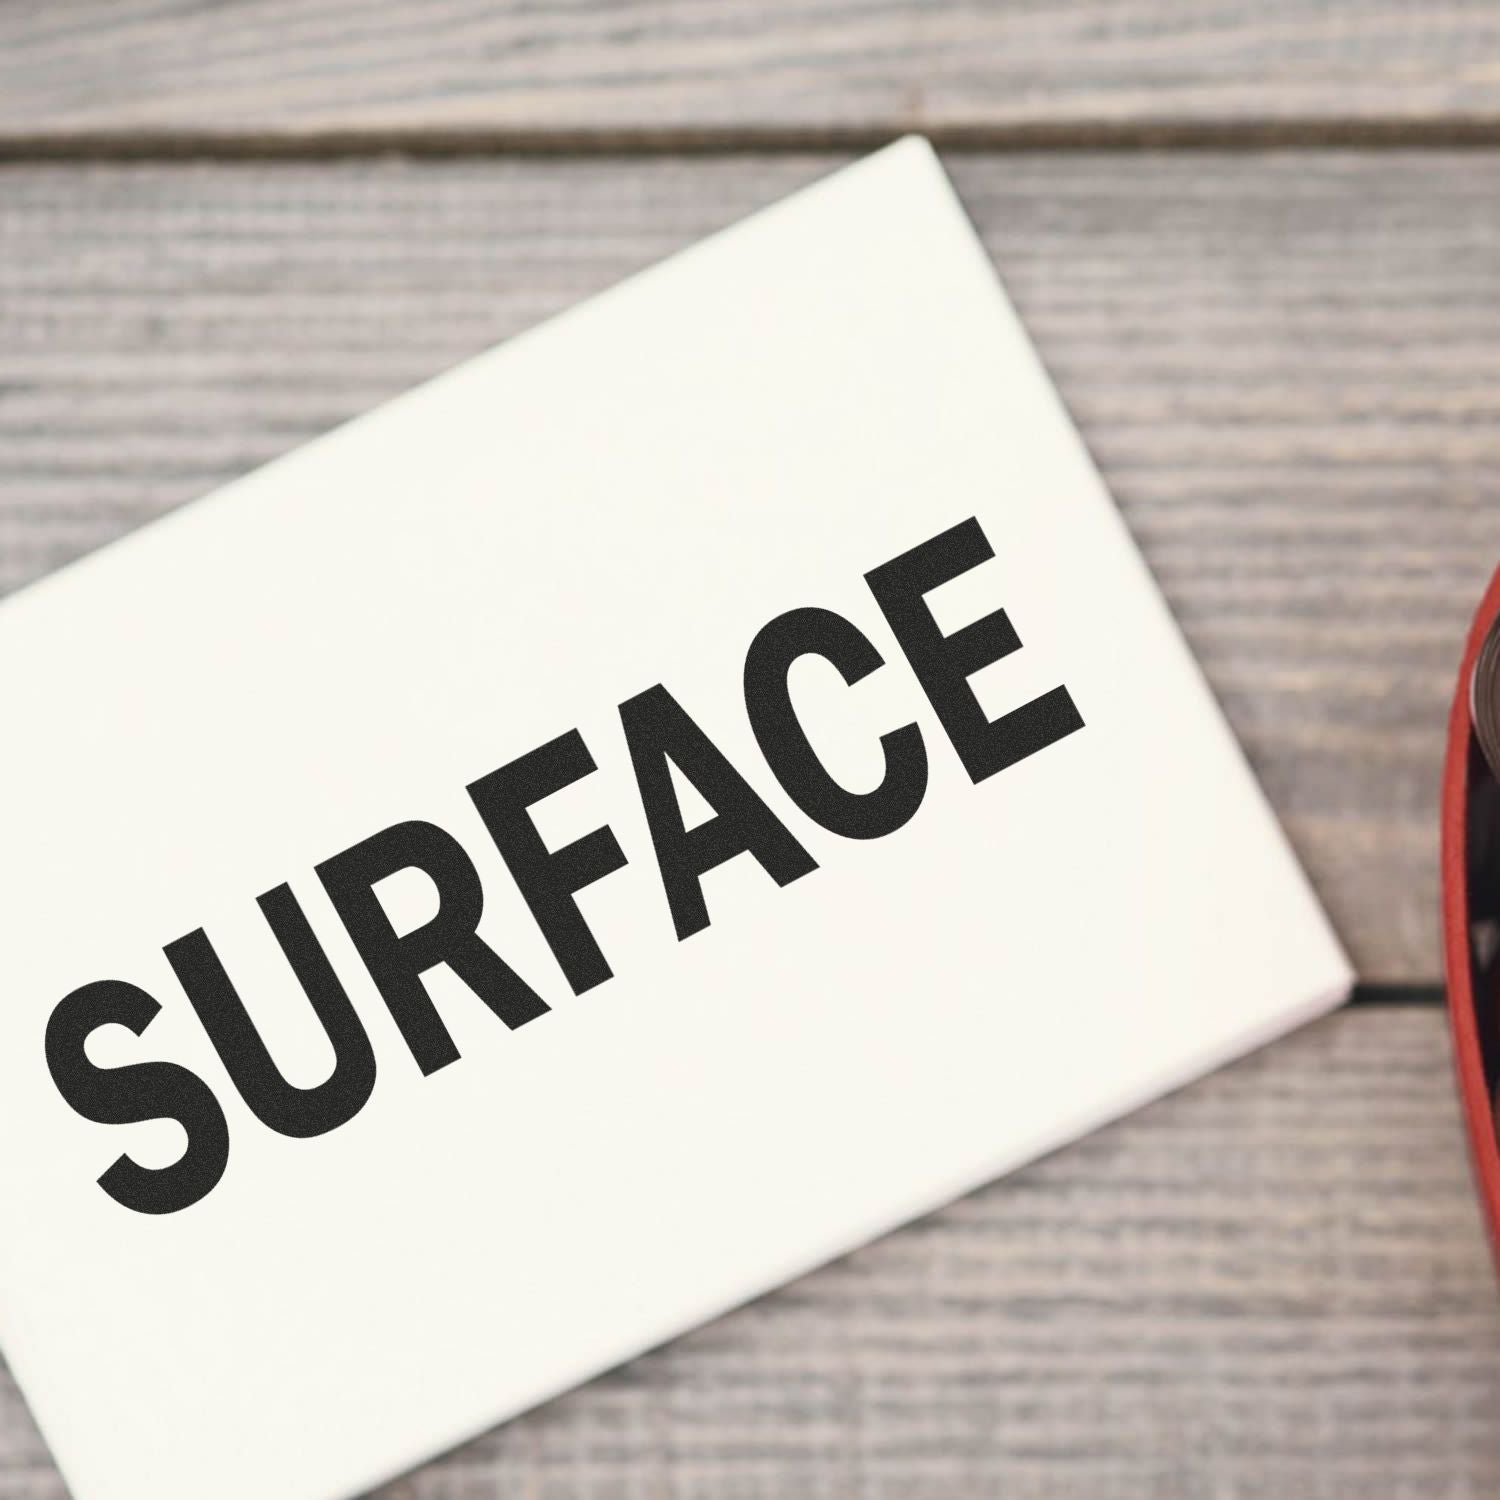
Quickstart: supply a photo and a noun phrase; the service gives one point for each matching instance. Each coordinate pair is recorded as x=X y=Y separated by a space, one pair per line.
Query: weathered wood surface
x=684 y=70
x=1288 y=367
x=1272 y=1286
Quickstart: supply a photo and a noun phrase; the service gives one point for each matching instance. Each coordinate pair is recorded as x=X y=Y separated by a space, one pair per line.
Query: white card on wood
x=927 y=849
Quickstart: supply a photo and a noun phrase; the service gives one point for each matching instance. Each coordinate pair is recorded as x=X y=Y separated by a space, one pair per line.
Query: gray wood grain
x=1288 y=367
x=1272 y=1286
x=685 y=70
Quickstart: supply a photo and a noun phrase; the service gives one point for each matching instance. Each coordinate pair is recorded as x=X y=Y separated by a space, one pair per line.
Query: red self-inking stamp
x=1471 y=894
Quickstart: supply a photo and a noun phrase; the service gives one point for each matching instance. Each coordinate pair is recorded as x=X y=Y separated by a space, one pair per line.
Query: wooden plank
x=1273 y=1284
x=809 y=70
x=1288 y=367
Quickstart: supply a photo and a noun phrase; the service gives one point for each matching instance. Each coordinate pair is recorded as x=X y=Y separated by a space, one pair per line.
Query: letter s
x=136 y=1092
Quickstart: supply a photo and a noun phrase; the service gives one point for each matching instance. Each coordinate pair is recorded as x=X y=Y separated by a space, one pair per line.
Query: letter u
x=283 y=1106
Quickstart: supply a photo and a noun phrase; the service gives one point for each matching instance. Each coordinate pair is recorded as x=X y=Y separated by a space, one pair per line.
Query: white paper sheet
x=344 y=641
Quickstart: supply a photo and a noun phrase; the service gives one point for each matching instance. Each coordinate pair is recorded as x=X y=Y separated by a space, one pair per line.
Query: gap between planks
x=1372 y=994
x=1479 y=131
